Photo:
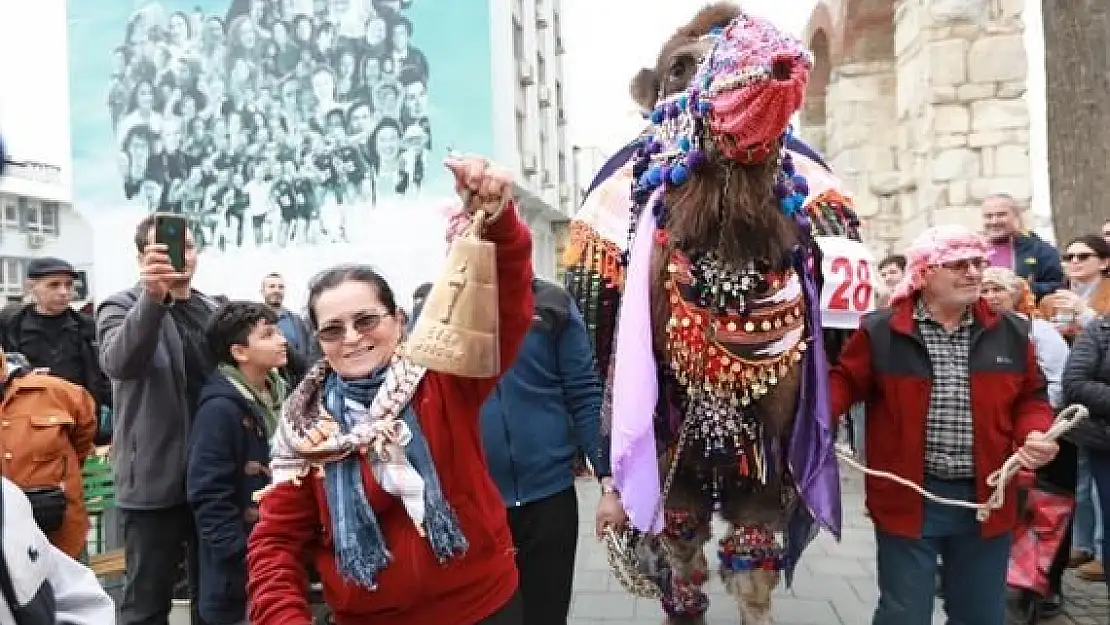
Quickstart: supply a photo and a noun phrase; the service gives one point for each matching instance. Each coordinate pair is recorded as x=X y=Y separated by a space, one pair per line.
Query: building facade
x=529 y=89
x=921 y=108
x=36 y=220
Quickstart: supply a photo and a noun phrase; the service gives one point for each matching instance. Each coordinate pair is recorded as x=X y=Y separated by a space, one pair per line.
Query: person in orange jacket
x=47 y=426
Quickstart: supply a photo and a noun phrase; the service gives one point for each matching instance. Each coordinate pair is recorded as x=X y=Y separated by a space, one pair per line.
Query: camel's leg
x=751 y=561
x=685 y=532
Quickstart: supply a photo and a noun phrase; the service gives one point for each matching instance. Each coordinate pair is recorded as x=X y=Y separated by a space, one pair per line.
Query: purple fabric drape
x=636 y=389
x=812 y=453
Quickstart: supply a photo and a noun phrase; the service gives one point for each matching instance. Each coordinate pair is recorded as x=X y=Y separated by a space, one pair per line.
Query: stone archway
x=857 y=39
x=923 y=108
x=815 y=111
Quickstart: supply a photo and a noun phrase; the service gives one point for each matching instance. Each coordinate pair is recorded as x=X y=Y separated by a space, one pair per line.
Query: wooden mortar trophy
x=457 y=332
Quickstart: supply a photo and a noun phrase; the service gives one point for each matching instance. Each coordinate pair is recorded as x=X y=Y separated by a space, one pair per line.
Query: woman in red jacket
x=378 y=471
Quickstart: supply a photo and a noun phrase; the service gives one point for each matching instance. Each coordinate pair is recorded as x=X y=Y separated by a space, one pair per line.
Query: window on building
x=557 y=31
x=562 y=173
x=518 y=41
x=38 y=216
x=32 y=211
x=50 y=221
x=13 y=272
x=541 y=69
x=520 y=134
x=11 y=211
x=544 y=165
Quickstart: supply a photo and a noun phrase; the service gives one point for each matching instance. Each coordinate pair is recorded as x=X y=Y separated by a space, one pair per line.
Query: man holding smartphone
x=154 y=351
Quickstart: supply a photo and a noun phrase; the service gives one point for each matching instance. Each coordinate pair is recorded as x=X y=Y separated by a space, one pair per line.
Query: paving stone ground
x=834 y=584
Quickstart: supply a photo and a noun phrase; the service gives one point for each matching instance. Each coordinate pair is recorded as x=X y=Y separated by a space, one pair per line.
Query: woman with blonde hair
x=1005 y=291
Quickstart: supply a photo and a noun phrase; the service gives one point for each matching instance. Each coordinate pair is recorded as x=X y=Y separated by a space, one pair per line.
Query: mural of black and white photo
x=273 y=124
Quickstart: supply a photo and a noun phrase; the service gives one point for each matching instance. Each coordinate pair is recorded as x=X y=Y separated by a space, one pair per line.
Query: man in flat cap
x=51 y=334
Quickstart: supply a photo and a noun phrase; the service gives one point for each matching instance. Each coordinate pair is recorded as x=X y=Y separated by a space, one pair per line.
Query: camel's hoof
x=757 y=618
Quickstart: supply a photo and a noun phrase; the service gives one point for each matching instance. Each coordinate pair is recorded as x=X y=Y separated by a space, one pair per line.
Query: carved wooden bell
x=457 y=332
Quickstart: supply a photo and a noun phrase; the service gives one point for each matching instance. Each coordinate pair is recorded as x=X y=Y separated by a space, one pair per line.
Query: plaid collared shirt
x=948 y=424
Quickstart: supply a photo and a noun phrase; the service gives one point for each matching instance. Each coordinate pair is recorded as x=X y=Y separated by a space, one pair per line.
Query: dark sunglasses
x=1079 y=256
x=363 y=323
x=965 y=264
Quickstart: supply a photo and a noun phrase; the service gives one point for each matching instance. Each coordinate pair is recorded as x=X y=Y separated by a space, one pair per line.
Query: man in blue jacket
x=545 y=408
x=1029 y=256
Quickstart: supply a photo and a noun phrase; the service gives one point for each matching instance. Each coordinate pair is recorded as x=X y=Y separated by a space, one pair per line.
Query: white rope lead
x=999 y=480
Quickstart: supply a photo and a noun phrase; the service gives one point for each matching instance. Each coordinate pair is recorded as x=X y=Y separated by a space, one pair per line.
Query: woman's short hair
x=331 y=278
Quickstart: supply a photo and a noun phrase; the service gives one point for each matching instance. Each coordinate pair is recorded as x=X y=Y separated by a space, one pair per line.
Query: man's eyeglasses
x=1078 y=257
x=964 y=264
x=363 y=323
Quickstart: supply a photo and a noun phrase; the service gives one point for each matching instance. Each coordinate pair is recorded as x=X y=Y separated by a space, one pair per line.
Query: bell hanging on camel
x=457 y=332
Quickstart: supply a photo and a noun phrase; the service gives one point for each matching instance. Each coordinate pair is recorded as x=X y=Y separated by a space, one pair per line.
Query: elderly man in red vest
x=951 y=389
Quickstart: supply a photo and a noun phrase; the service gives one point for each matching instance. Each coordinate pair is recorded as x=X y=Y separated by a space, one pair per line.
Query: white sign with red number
x=849 y=271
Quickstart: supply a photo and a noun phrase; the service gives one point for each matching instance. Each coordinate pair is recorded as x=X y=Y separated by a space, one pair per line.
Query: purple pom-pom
x=801 y=185
x=788 y=164
x=695 y=159
x=780 y=189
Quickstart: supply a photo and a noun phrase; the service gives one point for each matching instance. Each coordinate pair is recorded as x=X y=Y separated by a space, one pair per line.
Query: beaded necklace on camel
x=733 y=331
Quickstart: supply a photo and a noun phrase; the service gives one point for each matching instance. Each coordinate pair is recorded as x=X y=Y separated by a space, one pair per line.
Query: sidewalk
x=833 y=585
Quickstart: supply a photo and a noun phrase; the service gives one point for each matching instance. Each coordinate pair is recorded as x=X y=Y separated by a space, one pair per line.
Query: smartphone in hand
x=169 y=230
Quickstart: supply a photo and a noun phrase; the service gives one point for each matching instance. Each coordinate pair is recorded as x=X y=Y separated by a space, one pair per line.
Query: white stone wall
x=860 y=142
x=963 y=121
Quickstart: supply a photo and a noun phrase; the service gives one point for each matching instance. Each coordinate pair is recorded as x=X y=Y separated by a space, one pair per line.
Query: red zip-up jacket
x=414 y=589
x=886 y=366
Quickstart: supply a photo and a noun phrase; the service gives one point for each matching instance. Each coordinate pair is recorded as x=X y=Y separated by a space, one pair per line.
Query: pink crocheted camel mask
x=754 y=81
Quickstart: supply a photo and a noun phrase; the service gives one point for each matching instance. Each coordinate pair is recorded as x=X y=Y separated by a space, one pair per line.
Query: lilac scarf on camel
x=634 y=459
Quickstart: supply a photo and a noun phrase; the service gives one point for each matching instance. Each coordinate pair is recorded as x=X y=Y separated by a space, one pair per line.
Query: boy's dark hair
x=231 y=324
x=893 y=259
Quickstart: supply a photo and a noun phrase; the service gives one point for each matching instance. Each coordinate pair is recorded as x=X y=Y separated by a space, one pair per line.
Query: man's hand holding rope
x=1037 y=451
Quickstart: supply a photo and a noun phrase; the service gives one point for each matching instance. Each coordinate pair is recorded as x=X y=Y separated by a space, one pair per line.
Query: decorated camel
x=696 y=262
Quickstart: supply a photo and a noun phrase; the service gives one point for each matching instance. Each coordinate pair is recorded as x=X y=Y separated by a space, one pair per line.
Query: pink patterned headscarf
x=939 y=244
x=755 y=80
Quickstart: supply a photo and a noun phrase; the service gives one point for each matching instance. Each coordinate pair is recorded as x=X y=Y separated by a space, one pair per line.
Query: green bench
x=100 y=496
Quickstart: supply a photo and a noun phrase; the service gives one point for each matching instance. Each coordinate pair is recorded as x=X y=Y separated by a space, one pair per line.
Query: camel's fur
x=729 y=208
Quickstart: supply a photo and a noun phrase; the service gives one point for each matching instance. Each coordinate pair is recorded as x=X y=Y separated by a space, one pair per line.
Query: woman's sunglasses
x=1078 y=257
x=363 y=323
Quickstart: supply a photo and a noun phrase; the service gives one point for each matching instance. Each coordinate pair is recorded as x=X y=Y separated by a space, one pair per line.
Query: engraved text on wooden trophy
x=456 y=282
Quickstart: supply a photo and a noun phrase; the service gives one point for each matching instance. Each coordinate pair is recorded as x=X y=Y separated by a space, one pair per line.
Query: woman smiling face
x=357 y=332
x=1081 y=263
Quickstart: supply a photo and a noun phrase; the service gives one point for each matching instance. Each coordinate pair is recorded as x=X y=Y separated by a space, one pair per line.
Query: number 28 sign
x=849 y=272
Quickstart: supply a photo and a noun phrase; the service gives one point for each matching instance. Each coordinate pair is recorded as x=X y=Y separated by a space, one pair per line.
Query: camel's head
x=681 y=55
x=739 y=95
x=722 y=130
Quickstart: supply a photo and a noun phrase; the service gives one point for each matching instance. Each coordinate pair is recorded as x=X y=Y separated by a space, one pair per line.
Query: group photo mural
x=291 y=133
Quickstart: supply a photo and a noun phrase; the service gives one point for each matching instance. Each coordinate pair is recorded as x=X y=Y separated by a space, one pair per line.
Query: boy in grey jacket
x=153 y=350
